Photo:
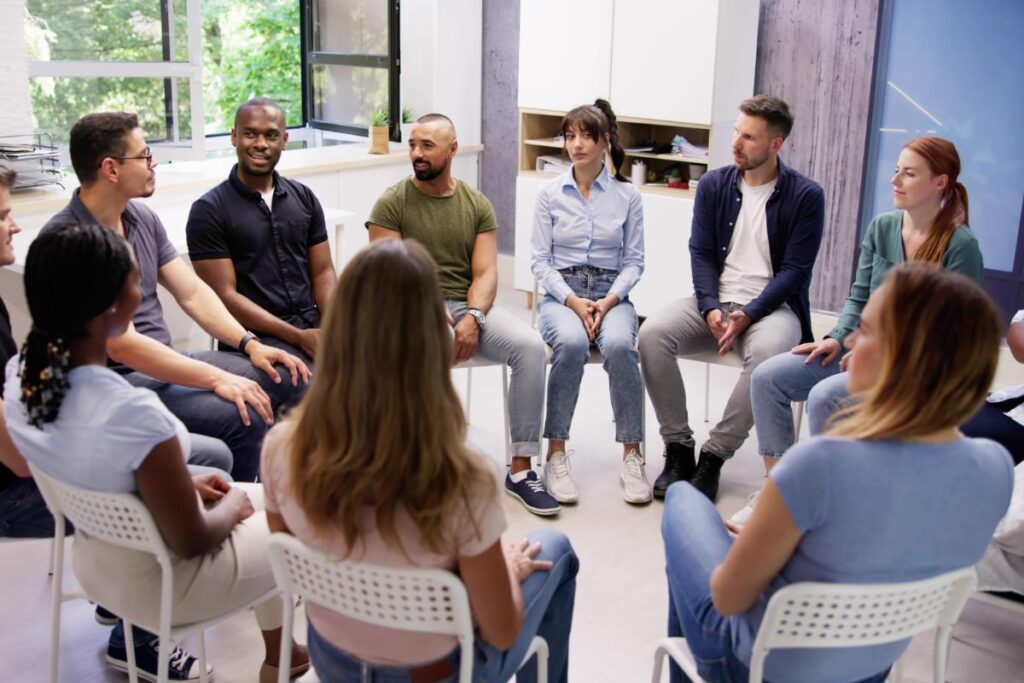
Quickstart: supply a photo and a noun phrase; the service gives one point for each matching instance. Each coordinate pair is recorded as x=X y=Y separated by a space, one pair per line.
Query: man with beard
x=259 y=240
x=457 y=226
x=756 y=229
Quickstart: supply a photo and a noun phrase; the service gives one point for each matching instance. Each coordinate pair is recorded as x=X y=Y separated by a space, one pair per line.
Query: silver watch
x=478 y=315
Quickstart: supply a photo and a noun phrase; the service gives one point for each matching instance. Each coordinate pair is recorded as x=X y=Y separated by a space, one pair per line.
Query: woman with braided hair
x=588 y=253
x=72 y=417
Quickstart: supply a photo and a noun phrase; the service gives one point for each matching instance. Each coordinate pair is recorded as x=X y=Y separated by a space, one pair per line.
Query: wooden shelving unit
x=539 y=135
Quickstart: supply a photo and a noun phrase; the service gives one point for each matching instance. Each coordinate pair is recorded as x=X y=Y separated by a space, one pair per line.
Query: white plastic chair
x=120 y=519
x=421 y=600
x=733 y=360
x=821 y=615
x=476 y=362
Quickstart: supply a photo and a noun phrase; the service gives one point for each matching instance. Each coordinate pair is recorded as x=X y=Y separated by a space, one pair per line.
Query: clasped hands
x=591 y=312
x=727 y=329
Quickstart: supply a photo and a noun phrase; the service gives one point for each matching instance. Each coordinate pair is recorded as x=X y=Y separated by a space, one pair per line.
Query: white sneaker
x=633 y=477
x=558 y=479
x=742 y=516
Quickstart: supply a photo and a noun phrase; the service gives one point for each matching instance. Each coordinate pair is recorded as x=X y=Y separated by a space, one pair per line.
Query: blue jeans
x=549 y=597
x=696 y=542
x=775 y=384
x=824 y=400
x=203 y=412
x=563 y=330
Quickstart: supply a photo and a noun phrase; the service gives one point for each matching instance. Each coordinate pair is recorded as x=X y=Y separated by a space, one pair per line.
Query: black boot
x=705 y=479
x=679 y=464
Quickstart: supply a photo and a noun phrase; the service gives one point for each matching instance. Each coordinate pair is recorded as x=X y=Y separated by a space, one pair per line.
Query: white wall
x=15 y=110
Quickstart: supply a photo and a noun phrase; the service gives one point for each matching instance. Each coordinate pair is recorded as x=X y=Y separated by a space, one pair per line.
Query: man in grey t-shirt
x=218 y=394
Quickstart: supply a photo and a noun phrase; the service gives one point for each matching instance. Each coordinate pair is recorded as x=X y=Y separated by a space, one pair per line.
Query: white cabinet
x=527 y=187
x=565 y=51
x=663 y=64
x=666 y=253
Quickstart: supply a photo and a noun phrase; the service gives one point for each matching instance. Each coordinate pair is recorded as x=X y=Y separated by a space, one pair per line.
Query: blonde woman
x=372 y=466
x=893 y=492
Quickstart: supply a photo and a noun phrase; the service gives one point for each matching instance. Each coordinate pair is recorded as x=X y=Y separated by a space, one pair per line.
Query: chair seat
x=731 y=359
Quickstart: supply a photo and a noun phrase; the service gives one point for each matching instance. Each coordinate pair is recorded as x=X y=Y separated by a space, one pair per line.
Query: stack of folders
x=552 y=163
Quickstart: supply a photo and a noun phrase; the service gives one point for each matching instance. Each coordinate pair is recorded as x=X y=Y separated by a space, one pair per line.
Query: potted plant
x=379 y=122
x=408 y=121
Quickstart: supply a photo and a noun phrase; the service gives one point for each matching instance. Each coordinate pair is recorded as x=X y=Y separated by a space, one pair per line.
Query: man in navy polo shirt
x=756 y=230
x=260 y=242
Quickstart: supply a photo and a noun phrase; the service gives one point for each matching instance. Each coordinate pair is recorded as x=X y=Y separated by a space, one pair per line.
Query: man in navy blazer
x=757 y=226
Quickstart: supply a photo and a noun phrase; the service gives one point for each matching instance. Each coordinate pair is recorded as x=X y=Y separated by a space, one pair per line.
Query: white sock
x=519 y=476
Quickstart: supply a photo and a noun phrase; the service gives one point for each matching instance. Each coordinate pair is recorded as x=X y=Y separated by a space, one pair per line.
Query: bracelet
x=246 y=338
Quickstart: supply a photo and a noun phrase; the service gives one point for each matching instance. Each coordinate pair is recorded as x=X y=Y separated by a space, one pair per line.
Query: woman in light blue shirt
x=891 y=493
x=588 y=253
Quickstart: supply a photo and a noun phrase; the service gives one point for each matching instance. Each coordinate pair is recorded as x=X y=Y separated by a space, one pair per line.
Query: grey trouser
x=506 y=339
x=678 y=331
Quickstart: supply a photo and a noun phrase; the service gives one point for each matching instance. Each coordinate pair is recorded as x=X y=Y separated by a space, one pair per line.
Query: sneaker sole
x=104 y=621
x=145 y=675
x=542 y=512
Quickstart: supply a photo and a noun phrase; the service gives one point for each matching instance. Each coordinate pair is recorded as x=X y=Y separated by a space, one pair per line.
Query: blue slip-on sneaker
x=532 y=495
x=181 y=665
x=105 y=616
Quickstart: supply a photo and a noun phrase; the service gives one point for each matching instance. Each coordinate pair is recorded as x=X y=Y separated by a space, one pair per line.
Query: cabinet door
x=565 y=52
x=527 y=187
x=663 y=61
x=666 y=253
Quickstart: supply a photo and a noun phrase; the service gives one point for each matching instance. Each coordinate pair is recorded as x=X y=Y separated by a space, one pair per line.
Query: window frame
x=169 y=70
x=312 y=58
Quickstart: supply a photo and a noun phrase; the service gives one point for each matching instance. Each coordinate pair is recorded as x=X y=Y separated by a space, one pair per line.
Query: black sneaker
x=705 y=478
x=105 y=616
x=679 y=464
x=181 y=665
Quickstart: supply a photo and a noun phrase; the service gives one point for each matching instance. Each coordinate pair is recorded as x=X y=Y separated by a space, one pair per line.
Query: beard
x=429 y=173
x=748 y=163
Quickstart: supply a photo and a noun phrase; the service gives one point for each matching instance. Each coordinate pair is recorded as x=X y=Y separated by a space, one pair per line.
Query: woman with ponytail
x=930 y=225
x=77 y=420
x=588 y=253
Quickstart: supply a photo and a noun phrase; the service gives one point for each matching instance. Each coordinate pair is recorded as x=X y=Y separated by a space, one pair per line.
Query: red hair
x=942 y=159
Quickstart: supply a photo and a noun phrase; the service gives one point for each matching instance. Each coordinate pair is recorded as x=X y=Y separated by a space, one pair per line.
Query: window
x=181 y=66
x=967 y=91
x=352 y=64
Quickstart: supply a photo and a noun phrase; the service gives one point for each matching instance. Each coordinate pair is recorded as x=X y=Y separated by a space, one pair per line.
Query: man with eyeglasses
x=219 y=394
x=260 y=240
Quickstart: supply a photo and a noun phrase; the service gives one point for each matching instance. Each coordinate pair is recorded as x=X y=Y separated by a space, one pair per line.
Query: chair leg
x=203 y=675
x=53 y=555
x=896 y=672
x=469 y=394
x=542 y=660
x=643 y=418
x=57 y=593
x=129 y=648
x=942 y=637
x=798 y=420
x=287 y=624
x=659 y=663
x=163 y=659
x=707 y=391
x=505 y=418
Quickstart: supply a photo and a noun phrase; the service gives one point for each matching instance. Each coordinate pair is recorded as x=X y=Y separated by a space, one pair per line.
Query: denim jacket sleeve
x=798 y=256
x=703 y=244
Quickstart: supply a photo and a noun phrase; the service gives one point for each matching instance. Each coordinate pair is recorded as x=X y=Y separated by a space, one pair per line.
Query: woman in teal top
x=929 y=224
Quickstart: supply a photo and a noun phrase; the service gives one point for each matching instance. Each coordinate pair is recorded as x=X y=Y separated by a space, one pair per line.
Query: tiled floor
x=621 y=597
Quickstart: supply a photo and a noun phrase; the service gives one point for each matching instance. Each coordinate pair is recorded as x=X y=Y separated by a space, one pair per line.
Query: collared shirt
x=795 y=214
x=605 y=230
x=146 y=234
x=269 y=247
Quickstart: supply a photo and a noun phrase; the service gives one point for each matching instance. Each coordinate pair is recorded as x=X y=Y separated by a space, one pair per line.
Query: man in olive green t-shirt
x=456 y=224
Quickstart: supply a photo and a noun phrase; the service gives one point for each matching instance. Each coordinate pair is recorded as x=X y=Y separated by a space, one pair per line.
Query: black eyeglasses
x=148 y=156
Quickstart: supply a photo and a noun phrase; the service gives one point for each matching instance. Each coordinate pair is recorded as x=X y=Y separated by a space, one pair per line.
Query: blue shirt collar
x=600 y=182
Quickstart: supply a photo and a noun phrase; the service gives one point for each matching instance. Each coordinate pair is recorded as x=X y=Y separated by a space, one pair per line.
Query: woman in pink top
x=372 y=466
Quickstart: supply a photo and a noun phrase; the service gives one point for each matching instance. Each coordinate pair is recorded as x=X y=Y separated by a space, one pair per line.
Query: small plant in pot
x=379 y=122
x=408 y=121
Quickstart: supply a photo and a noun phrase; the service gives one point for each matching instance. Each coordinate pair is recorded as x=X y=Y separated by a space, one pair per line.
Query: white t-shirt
x=748 y=265
x=105 y=429
x=268 y=198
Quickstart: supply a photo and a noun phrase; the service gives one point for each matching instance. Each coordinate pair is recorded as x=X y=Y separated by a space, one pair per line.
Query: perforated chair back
x=423 y=600
x=118 y=518
x=819 y=615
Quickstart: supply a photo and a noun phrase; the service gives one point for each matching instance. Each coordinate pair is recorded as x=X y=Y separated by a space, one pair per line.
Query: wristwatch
x=478 y=315
x=246 y=338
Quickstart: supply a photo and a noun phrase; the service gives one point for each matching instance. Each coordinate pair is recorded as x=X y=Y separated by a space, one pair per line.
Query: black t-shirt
x=8 y=349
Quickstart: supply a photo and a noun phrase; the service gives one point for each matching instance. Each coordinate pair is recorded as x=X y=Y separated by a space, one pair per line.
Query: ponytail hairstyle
x=72 y=274
x=942 y=159
x=599 y=121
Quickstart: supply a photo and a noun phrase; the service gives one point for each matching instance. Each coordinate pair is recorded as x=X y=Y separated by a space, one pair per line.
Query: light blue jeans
x=548 y=596
x=506 y=339
x=563 y=330
x=784 y=379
